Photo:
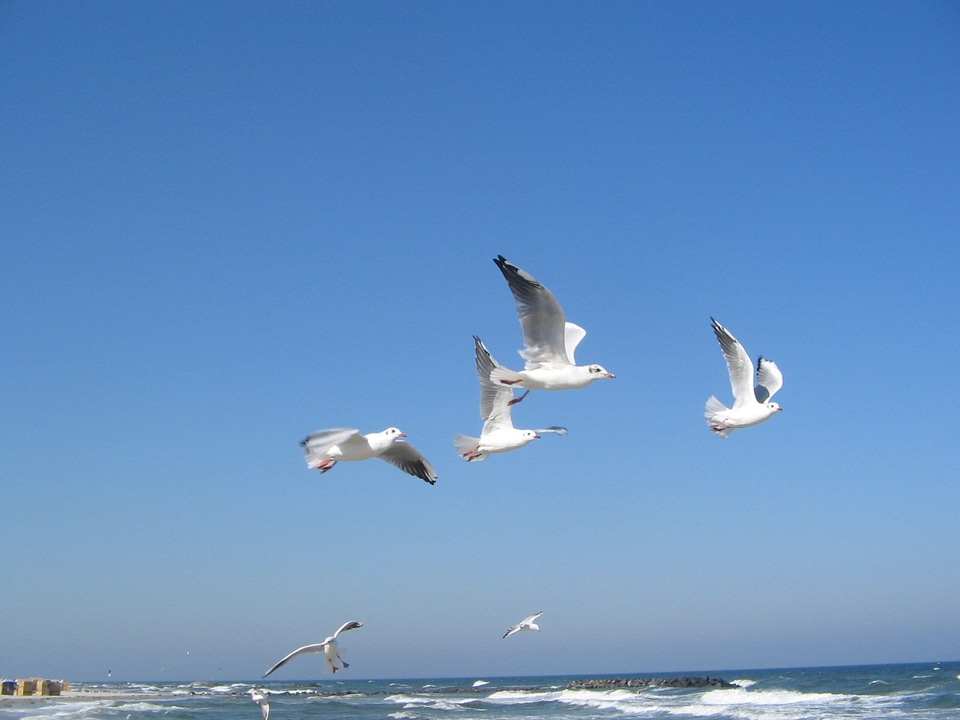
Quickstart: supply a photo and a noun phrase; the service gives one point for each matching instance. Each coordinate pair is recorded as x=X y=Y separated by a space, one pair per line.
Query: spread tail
x=467 y=447
x=712 y=413
x=504 y=376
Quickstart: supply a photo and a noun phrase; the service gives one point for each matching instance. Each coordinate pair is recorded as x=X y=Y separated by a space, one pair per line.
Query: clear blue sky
x=226 y=225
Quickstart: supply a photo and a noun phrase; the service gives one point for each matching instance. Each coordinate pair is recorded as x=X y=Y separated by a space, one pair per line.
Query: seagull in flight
x=328 y=647
x=498 y=434
x=262 y=697
x=752 y=405
x=525 y=624
x=325 y=448
x=549 y=340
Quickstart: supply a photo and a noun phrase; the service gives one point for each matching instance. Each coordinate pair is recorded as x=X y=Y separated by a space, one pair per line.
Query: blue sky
x=228 y=225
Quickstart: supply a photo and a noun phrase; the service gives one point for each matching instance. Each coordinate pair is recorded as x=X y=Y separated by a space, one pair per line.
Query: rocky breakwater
x=640 y=683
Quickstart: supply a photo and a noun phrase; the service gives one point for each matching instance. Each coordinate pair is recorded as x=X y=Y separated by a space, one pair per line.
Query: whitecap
x=744 y=683
x=480 y=683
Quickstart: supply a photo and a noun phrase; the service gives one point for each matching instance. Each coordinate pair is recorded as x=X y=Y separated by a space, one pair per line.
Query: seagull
x=498 y=434
x=325 y=448
x=751 y=404
x=525 y=624
x=328 y=647
x=263 y=698
x=549 y=339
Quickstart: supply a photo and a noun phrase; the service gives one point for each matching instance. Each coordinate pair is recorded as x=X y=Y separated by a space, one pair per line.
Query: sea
x=923 y=690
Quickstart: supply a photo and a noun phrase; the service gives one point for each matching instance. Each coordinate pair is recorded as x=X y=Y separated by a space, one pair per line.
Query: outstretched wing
x=406 y=457
x=572 y=335
x=494 y=397
x=532 y=618
x=352 y=625
x=738 y=365
x=322 y=440
x=769 y=380
x=541 y=317
x=316 y=647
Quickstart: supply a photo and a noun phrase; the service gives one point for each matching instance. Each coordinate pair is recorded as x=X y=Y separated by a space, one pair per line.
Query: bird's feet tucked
x=326 y=466
x=518 y=399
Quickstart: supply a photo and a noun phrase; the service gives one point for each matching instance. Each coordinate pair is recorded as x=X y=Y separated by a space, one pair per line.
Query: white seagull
x=261 y=697
x=751 y=405
x=328 y=647
x=325 y=448
x=550 y=341
x=525 y=624
x=498 y=434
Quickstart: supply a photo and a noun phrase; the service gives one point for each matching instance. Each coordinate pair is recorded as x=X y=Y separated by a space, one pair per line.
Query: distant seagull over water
x=262 y=697
x=325 y=448
x=328 y=647
x=498 y=434
x=751 y=404
x=525 y=624
x=550 y=341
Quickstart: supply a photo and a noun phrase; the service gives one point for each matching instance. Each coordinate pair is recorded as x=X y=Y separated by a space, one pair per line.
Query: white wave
x=739 y=696
x=519 y=697
x=480 y=683
x=744 y=683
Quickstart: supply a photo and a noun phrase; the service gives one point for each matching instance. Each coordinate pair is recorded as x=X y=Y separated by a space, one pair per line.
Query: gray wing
x=552 y=429
x=769 y=380
x=530 y=619
x=316 y=647
x=494 y=398
x=352 y=625
x=541 y=317
x=738 y=365
x=406 y=457
x=322 y=440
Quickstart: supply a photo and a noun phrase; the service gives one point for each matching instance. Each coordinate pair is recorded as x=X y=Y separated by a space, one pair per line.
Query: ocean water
x=876 y=691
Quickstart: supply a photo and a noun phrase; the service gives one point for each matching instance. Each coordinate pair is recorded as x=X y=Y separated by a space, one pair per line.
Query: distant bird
x=751 y=404
x=325 y=448
x=498 y=434
x=262 y=697
x=549 y=340
x=525 y=624
x=328 y=647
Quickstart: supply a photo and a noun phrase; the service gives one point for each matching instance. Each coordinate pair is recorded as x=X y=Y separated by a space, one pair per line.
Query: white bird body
x=328 y=647
x=525 y=624
x=752 y=405
x=498 y=434
x=549 y=340
x=262 y=698
x=325 y=448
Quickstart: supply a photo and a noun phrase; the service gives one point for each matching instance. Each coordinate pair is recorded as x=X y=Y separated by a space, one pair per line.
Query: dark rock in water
x=677 y=682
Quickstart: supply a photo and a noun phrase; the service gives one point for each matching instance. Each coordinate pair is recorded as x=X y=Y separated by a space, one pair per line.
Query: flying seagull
x=498 y=434
x=549 y=340
x=262 y=697
x=751 y=405
x=325 y=448
x=525 y=624
x=328 y=647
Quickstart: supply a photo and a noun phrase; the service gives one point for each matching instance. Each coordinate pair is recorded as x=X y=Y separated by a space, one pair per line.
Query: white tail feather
x=466 y=446
x=712 y=413
x=500 y=373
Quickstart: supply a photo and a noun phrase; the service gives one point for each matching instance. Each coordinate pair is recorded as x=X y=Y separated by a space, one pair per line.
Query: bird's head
x=598 y=371
x=530 y=435
x=774 y=407
x=394 y=433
